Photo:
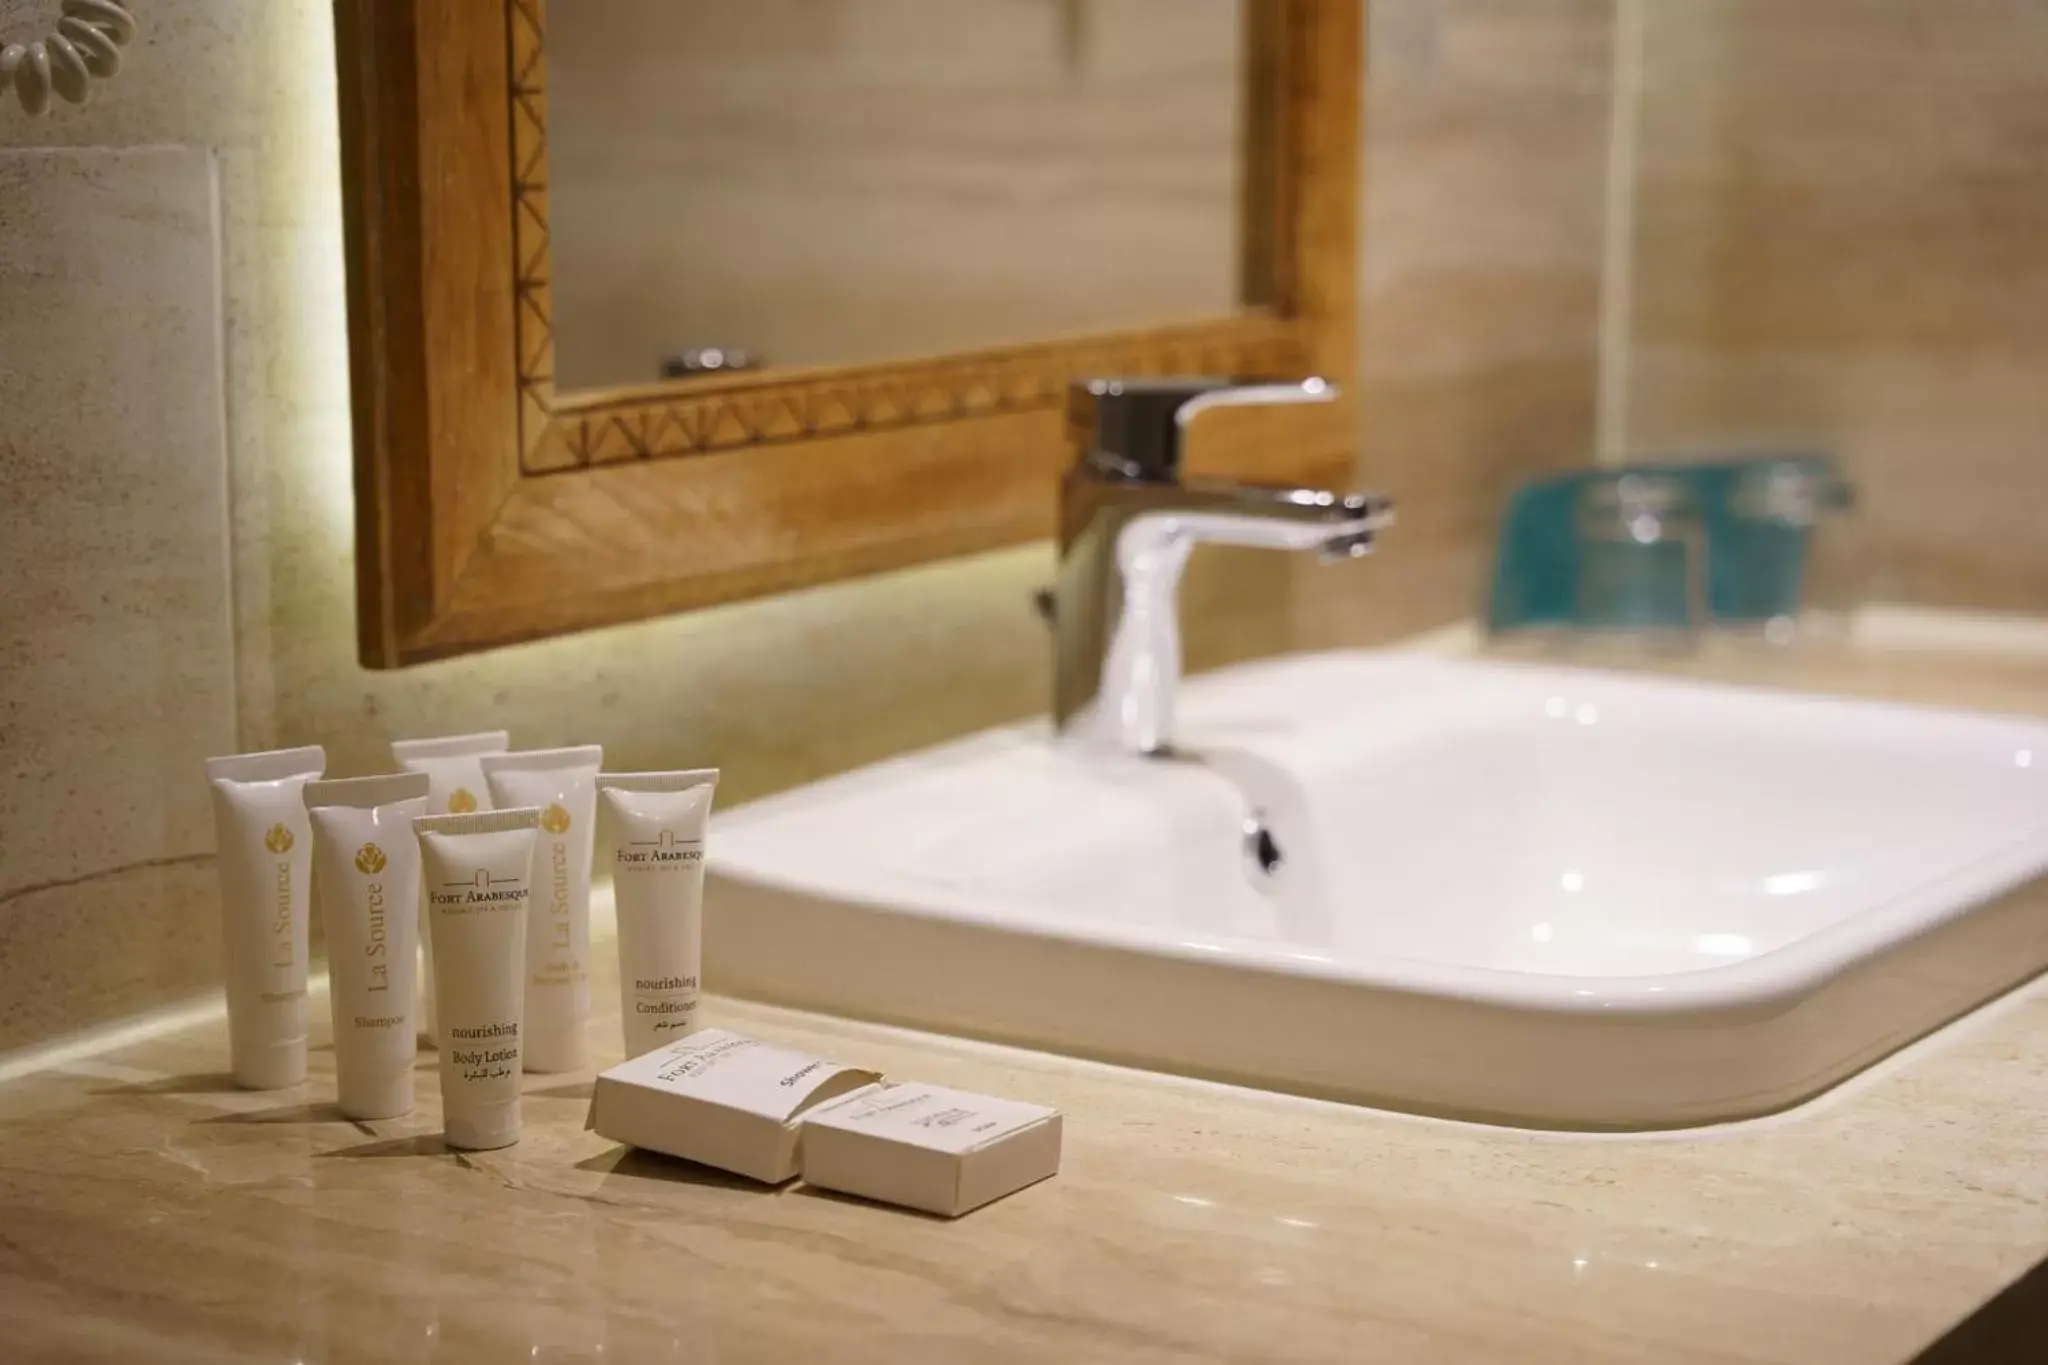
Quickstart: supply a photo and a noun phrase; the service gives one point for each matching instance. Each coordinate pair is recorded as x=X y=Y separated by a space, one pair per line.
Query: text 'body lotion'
x=479 y=878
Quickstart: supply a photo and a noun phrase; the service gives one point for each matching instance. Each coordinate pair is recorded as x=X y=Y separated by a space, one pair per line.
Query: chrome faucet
x=1127 y=523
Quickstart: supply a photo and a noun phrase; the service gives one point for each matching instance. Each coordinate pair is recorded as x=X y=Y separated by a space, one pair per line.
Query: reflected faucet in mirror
x=693 y=362
x=1127 y=523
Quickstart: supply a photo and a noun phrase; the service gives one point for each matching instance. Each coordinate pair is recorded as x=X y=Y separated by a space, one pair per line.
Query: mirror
x=822 y=182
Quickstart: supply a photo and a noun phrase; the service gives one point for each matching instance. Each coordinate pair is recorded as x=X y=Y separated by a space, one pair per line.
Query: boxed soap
x=720 y=1098
x=927 y=1147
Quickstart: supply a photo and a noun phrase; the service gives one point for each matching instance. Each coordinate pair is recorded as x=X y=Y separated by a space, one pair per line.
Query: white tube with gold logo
x=655 y=824
x=562 y=782
x=455 y=786
x=478 y=870
x=368 y=864
x=264 y=847
x=455 y=774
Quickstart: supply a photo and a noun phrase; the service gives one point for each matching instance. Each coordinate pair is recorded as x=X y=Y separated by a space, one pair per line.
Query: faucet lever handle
x=1133 y=428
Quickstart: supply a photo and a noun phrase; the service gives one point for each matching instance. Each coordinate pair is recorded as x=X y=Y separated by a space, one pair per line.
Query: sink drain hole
x=1261 y=849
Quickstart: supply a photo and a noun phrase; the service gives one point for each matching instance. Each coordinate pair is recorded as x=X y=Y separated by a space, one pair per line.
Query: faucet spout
x=1337 y=526
x=1128 y=523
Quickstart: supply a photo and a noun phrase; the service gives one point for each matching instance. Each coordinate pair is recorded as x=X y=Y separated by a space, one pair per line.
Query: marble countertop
x=149 y=1211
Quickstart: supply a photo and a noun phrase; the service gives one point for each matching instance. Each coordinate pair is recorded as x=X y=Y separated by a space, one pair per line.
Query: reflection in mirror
x=839 y=181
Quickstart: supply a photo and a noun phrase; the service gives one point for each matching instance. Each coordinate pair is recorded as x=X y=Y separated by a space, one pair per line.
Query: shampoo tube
x=656 y=824
x=264 y=846
x=478 y=872
x=455 y=786
x=562 y=782
x=369 y=868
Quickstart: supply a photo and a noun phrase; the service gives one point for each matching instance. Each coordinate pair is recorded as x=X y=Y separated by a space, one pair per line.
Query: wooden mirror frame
x=491 y=508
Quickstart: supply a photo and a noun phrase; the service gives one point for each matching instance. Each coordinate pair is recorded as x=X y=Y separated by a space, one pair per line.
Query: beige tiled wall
x=1842 y=242
x=1485 y=169
x=174 y=467
x=115 y=638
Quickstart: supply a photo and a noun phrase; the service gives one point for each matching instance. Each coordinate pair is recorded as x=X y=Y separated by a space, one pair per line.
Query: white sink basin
x=1533 y=895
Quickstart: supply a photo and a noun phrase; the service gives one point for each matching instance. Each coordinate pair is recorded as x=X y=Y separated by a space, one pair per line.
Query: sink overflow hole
x=1260 y=846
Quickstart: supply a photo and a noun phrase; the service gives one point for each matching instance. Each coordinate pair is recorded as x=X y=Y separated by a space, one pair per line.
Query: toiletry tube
x=455 y=777
x=455 y=786
x=655 y=825
x=263 y=844
x=368 y=864
x=562 y=782
x=478 y=870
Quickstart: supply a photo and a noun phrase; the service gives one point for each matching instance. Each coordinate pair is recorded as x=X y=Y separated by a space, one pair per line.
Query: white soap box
x=719 y=1098
x=927 y=1147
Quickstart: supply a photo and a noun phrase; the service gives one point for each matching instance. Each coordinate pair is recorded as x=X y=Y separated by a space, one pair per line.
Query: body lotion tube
x=455 y=786
x=264 y=845
x=562 y=783
x=478 y=872
x=368 y=864
x=656 y=824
